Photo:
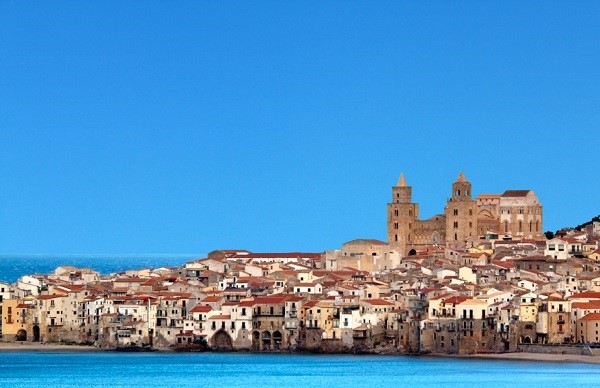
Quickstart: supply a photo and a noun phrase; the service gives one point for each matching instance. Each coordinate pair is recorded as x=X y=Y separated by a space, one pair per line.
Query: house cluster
x=488 y=298
x=479 y=278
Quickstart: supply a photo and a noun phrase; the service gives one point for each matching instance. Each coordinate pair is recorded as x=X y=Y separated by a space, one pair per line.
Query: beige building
x=364 y=255
x=515 y=212
x=520 y=214
x=588 y=328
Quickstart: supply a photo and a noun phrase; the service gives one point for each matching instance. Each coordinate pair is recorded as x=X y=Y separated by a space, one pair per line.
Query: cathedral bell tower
x=402 y=214
x=461 y=218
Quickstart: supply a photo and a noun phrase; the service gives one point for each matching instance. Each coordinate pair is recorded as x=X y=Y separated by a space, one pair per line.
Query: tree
x=549 y=235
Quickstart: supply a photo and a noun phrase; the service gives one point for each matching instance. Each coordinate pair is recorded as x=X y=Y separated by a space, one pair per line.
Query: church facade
x=515 y=213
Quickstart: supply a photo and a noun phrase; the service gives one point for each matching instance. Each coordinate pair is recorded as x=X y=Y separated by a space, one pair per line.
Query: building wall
x=521 y=215
x=516 y=212
x=460 y=211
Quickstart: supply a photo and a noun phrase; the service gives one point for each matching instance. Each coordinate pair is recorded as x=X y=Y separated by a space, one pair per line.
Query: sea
x=114 y=369
x=159 y=369
x=14 y=266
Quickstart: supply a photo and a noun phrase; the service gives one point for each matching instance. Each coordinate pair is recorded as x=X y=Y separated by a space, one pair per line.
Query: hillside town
x=481 y=277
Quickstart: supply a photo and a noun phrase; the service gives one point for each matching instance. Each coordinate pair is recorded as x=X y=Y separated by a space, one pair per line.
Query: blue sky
x=183 y=127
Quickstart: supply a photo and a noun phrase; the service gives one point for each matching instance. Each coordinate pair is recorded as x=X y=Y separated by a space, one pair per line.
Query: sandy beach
x=46 y=347
x=522 y=356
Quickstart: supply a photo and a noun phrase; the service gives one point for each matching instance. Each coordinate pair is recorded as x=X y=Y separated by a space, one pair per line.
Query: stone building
x=515 y=213
x=363 y=254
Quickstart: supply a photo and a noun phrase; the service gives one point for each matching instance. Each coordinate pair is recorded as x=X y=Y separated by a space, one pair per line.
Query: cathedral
x=515 y=213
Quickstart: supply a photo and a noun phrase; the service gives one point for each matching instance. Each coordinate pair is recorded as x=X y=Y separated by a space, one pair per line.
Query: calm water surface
x=109 y=369
x=14 y=266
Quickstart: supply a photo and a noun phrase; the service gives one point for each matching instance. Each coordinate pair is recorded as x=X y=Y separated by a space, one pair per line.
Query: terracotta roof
x=489 y=196
x=220 y=317
x=586 y=295
x=212 y=298
x=270 y=300
x=455 y=300
x=305 y=284
x=282 y=255
x=378 y=302
x=46 y=297
x=310 y=304
x=591 y=317
x=594 y=304
x=201 y=309
x=516 y=193
x=131 y=280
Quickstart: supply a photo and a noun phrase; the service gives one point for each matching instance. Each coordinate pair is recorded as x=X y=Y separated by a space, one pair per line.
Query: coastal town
x=480 y=277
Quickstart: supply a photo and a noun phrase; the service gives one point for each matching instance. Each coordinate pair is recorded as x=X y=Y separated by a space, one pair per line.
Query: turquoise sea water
x=14 y=266
x=110 y=369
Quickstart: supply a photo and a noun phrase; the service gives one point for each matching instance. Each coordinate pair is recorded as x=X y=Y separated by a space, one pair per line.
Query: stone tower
x=402 y=214
x=461 y=214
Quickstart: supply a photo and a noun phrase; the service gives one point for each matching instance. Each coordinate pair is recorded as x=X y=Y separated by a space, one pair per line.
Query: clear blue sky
x=183 y=127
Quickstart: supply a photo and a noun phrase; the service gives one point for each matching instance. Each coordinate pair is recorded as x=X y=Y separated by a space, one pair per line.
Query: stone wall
x=558 y=349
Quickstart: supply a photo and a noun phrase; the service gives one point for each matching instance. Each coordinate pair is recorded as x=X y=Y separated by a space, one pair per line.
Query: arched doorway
x=412 y=252
x=526 y=339
x=222 y=341
x=266 y=340
x=277 y=339
x=36 y=333
x=21 y=335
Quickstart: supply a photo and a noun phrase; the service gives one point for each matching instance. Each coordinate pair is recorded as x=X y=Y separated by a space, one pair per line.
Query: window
x=455 y=212
x=396 y=212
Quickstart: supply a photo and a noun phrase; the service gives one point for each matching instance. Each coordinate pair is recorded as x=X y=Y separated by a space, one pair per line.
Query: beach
x=523 y=356
x=517 y=356
x=52 y=347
